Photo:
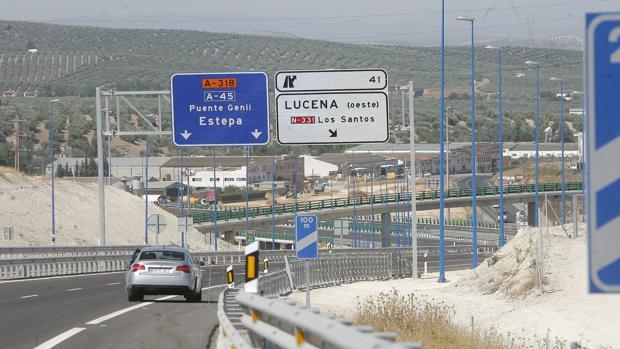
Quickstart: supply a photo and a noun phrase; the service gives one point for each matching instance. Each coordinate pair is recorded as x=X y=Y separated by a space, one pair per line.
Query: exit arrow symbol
x=186 y=134
x=333 y=133
x=256 y=133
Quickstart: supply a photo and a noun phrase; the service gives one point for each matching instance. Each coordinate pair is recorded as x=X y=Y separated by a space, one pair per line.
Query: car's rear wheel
x=134 y=296
x=198 y=297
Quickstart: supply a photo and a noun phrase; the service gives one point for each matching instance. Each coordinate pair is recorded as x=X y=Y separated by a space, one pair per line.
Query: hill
x=73 y=60
x=76 y=211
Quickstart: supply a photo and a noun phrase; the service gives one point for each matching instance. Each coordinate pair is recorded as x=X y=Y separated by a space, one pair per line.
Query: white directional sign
x=332 y=106
x=603 y=146
x=156 y=223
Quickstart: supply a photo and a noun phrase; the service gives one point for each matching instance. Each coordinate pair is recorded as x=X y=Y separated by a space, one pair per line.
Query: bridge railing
x=81 y=262
x=237 y=213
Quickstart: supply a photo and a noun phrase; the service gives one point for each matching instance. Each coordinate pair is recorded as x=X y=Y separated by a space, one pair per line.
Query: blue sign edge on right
x=590 y=17
x=297 y=237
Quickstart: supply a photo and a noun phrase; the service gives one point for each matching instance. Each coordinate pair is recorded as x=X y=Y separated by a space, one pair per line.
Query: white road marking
x=167 y=297
x=60 y=338
x=61 y=277
x=29 y=296
x=73 y=289
x=99 y=320
x=216 y=286
x=113 y=283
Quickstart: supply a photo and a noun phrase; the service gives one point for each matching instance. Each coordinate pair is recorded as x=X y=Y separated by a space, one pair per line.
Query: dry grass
x=417 y=319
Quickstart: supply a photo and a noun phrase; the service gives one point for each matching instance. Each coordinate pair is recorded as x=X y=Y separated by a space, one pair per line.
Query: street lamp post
x=449 y=109
x=537 y=65
x=562 y=142
x=500 y=117
x=52 y=157
x=442 y=272
x=474 y=206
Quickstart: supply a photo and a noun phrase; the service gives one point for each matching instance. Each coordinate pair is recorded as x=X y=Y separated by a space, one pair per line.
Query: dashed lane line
x=74 y=289
x=60 y=338
x=68 y=334
x=113 y=283
x=29 y=296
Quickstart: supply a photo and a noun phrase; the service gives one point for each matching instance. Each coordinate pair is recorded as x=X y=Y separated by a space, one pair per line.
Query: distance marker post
x=251 y=268
x=230 y=277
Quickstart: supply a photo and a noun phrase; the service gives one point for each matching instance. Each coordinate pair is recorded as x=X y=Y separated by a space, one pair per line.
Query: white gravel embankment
x=25 y=205
x=505 y=295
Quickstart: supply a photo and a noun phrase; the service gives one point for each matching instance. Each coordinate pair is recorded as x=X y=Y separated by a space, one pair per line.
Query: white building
x=315 y=167
x=224 y=177
x=528 y=150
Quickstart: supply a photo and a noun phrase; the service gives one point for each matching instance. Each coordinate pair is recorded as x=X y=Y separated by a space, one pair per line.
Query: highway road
x=92 y=311
x=94 y=308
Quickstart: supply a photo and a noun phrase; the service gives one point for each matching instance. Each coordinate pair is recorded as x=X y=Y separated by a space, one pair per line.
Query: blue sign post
x=307 y=244
x=603 y=146
x=220 y=109
x=306 y=236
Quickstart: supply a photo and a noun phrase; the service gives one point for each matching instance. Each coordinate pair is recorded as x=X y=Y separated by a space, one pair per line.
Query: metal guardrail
x=275 y=323
x=65 y=251
x=270 y=322
x=57 y=266
x=34 y=262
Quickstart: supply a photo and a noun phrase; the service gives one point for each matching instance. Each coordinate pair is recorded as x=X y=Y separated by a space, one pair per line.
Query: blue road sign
x=218 y=109
x=603 y=147
x=307 y=236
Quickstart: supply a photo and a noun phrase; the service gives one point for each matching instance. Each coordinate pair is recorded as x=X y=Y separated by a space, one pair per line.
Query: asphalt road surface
x=92 y=311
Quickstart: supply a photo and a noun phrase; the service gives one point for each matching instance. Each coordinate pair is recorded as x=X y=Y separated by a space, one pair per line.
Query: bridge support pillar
x=386 y=240
x=531 y=214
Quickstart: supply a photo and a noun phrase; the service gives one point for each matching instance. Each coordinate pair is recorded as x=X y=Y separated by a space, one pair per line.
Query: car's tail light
x=184 y=268
x=137 y=267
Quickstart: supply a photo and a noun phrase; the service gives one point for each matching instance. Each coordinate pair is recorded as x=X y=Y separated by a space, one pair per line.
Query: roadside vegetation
x=418 y=319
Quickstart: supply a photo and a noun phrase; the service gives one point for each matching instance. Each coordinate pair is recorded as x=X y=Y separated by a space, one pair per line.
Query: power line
x=311 y=18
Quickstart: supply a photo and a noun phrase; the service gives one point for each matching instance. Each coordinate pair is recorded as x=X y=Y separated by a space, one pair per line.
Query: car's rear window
x=162 y=255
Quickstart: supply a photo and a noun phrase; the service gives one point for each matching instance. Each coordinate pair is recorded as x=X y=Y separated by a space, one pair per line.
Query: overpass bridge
x=329 y=209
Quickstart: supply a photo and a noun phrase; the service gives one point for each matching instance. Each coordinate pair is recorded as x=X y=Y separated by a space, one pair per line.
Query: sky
x=399 y=21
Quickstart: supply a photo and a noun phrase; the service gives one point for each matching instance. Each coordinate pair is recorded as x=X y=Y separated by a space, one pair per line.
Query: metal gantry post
x=273 y=196
x=52 y=163
x=412 y=180
x=537 y=138
x=146 y=192
x=562 y=141
x=215 y=233
x=372 y=203
x=100 y=183
x=354 y=235
x=247 y=185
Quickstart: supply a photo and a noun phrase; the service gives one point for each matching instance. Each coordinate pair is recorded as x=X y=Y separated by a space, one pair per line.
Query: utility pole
x=412 y=181
x=18 y=121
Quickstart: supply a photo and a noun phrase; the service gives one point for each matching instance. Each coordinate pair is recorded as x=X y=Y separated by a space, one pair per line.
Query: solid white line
x=99 y=320
x=113 y=283
x=60 y=338
x=29 y=296
x=216 y=286
x=61 y=277
x=73 y=289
